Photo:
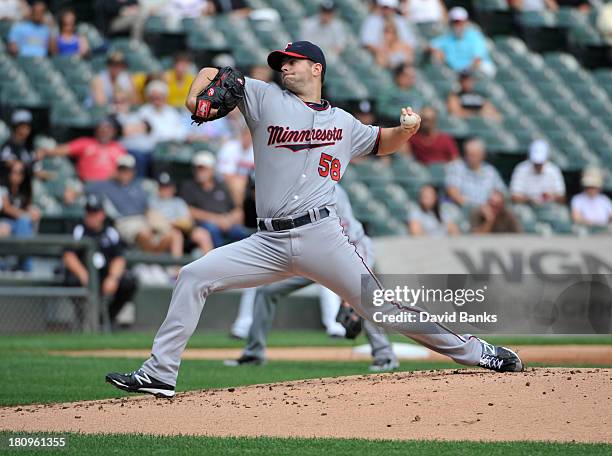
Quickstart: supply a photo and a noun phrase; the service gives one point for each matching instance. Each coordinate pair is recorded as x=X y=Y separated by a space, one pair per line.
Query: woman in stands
x=394 y=52
x=17 y=209
x=68 y=42
x=426 y=217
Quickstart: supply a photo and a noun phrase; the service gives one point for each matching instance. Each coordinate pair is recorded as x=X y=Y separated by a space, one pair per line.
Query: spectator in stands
x=19 y=146
x=96 y=158
x=372 y=33
x=471 y=181
x=238 y=7
x=176 y=213
x=326 y=29
x=135 y=222
x=425 y=11
x=468 y=102
x=116 y=283
x=533 y=5
x=67 y=42
x=393 y=51
x=464 y=47
x=30 y=38
x=494 y=216
x=140 y=81
x=426 y=217
x=179 y=79
x=14 y=10
x=404 y=93
x=429 y=145
x=165 y=121
x=211 y=203
x=591 y=207
x=17 y=208
x=134 y=133
x=235 y=163
x=537 y=181
x=106 y=83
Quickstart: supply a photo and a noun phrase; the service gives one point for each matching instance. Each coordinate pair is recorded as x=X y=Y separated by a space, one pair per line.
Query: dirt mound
x=540 y=404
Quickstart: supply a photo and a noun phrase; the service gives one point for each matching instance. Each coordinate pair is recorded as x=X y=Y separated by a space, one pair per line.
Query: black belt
x=281 y=224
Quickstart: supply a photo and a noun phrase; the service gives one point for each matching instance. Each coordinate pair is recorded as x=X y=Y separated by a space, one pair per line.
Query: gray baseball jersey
x=301 y=149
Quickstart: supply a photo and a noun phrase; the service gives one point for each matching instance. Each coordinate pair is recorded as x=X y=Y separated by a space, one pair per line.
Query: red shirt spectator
x=429 y=145
x=95 y=160
x=96 y=157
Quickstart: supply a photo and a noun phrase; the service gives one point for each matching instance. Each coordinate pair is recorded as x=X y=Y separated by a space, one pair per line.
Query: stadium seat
x=527 y=217
x=557 y=216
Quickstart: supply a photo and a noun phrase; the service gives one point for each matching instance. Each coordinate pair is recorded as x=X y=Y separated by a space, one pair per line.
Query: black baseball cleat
x=140 y=382
x=244 y=360
x=499 y=359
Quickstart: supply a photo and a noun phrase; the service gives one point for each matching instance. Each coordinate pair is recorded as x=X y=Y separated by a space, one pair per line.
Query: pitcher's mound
x=540 y=404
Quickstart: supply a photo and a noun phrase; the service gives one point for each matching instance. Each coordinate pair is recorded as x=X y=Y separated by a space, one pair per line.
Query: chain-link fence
x=27 y=307
x=46 y=309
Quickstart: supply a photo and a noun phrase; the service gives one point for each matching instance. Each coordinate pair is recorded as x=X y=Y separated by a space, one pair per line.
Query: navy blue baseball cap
x=297 y=50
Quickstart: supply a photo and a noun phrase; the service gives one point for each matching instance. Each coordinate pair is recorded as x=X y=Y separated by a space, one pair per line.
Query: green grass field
x=45 y=378
x=79 y=444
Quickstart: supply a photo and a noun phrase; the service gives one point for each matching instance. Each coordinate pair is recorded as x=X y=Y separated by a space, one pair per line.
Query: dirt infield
x=540 y=404
x=586 y=354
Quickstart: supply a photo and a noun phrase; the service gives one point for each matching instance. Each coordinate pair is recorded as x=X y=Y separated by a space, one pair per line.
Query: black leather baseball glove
x=348 y=318
x=223 y=93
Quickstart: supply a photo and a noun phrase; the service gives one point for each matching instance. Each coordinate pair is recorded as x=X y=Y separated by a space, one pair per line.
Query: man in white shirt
x=165 y=121
x=325 y=29
x=591 y=207
x=537 y=181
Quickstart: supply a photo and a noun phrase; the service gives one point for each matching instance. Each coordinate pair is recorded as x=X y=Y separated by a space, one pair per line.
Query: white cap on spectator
x=157 y=86
x=592 y=177
x=388 y=3
x=458 y=13
x=204 y=158
x=126 y=161
x=538 y=152
x=21 y=116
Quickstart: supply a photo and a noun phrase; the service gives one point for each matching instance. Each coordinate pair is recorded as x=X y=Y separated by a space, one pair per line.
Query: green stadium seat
x=527 y=217
x=538 y=18
x=5 y=28
x=373 y=172
x=453 y=213
x=94 y=37
x=394 y=197
x=557 y=216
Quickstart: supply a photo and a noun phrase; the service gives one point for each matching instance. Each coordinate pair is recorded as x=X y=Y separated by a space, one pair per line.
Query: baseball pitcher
x=302 y=146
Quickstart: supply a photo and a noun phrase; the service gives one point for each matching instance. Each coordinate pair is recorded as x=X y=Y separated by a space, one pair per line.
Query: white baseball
x=409 y=119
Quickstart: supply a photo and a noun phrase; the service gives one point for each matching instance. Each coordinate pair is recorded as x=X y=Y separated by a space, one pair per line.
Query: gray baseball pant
x=266 y=300
x=319 y=251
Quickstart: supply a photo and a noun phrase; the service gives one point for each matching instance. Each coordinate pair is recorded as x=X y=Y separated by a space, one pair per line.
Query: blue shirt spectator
x=31 y=38
x=470 y=182
x=464 y=47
